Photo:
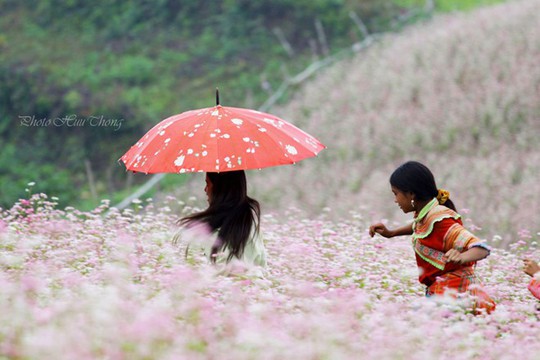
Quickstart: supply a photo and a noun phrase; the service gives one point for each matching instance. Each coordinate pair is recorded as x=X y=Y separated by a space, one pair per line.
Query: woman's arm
x=382 y=230
x=473 y=254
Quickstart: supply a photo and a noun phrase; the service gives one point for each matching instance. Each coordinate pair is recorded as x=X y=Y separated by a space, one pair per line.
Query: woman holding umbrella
x=232 y=218
x=223 y=142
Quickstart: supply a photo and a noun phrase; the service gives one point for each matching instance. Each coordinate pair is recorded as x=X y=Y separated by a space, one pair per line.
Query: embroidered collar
x=422 y=214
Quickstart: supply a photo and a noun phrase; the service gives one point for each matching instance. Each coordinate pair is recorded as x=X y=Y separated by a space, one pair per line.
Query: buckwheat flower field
x=110 y=284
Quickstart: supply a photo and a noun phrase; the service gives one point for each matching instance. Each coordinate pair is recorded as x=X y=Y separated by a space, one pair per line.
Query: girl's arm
x=381 y=229
x=473 y=254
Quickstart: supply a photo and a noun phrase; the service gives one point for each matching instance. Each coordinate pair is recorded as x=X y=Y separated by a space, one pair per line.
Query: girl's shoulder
x=439 y=216
x=441 y=212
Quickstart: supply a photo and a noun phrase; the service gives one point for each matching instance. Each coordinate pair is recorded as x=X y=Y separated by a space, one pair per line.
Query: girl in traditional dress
x=446 y=253
x=532 y=269
x=231 y=219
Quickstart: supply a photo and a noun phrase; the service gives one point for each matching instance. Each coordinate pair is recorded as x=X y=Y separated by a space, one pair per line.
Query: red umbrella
x=219 y=139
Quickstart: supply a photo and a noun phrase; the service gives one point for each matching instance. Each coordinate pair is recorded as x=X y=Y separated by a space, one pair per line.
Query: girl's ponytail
x=443 y=196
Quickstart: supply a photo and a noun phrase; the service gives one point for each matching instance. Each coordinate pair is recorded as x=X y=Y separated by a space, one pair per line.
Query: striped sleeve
x=459 y=238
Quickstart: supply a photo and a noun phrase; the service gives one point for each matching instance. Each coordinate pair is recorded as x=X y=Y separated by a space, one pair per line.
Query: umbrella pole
x=217 y=96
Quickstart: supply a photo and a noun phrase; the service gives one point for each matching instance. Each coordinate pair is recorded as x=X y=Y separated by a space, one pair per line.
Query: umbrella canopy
x=219 y=139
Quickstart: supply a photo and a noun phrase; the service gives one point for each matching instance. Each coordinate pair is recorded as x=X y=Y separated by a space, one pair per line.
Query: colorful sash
x=432 y=256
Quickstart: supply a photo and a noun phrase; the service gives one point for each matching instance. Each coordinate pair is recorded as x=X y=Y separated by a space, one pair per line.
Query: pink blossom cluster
x=110 y=284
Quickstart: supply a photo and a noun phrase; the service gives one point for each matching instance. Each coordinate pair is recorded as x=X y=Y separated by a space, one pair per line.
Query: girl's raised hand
x=382 y=230
x=530 y=267
x=379 y=228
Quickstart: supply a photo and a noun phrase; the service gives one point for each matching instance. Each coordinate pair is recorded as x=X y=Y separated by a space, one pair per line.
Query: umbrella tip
x=217 y=96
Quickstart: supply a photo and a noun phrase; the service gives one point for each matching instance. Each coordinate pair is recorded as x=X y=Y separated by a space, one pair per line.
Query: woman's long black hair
x=415 y=177
x=231 y=213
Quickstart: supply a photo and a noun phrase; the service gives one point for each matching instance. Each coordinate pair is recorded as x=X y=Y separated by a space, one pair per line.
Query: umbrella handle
x=217 y=96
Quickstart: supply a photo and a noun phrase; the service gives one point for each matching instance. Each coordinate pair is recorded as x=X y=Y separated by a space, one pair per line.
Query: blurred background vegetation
x=141 y=61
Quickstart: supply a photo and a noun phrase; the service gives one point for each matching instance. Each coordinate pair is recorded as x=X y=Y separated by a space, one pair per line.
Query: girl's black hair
x=231 y=213
x=416 y=178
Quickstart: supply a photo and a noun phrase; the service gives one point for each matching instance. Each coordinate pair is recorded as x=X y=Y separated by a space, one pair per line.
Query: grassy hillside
x=135 y=63
x=460 y=93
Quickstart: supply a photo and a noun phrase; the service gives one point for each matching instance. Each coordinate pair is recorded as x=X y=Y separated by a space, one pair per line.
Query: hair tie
x=442 y=196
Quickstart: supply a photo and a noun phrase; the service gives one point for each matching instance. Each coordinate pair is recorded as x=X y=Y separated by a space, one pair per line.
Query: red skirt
x=463 y=281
